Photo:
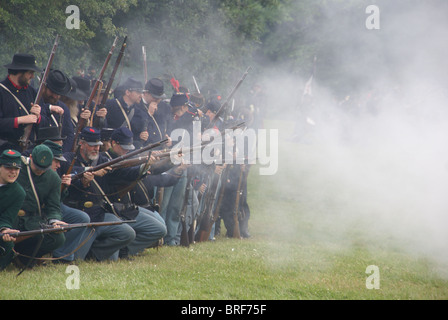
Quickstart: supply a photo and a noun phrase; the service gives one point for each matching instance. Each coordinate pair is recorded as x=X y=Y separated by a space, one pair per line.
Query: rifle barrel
x=67 y=227
x=81 y=121
x=120 y=158
x=24 y=139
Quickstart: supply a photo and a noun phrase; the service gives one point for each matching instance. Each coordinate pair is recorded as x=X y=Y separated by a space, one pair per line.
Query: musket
x=118 y=159
x=62 y=228
x=145 y=67
x=130 y=162
x=205 y=215
x=184 y=239
x=100 y=87
x=112 y=75
x=227 y=101
x=216 y=210
x=70 y=168
x=24 y=139
x=81 y=121
x=236 y=222
x=196 y=85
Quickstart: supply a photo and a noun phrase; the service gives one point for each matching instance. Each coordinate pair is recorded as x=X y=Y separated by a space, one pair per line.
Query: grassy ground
x=295 y=252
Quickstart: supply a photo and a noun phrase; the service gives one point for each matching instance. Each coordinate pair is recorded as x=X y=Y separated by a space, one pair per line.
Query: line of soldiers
x=54 y=182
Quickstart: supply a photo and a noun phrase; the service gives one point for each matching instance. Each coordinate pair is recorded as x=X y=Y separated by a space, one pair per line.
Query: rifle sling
x=127 y=120
x=17 y=99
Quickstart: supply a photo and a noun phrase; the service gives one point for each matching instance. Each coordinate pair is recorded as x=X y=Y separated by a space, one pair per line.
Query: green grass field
x=303 y=246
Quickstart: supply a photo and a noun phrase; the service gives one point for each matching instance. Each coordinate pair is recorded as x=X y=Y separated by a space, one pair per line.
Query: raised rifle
x=24 y=139
x=81 y=121
x=112 y=75
x=145 y=67
x=196 y=85
x=224 y=106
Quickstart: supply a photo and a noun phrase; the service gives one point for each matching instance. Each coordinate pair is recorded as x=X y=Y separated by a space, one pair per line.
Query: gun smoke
x=374 y=154
x=374 y=160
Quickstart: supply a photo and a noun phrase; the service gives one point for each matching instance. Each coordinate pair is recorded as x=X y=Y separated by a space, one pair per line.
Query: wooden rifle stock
x=202 y=234
x=236 y=222
x=215 y=216
x=184 y=239
x=24 y=139
x=119 y=159
x=82 y=122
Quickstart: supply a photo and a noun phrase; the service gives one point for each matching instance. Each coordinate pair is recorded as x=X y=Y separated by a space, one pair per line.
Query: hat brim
x=78 y=95
x=38 y=141
x=42 y=168
x=60 y=158
x=162 y=96
x=62 y=92
x=11 y=165
x=127 y=146
x=94 y=143
x=15 y=66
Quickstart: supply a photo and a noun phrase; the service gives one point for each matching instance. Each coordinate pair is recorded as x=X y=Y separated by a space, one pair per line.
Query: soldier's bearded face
x=90 y=152
x=25 y=78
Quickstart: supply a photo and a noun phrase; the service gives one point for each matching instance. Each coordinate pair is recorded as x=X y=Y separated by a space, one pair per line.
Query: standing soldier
x=17 y=108
x=11 y=199
x=145 y=127
x=58 y=84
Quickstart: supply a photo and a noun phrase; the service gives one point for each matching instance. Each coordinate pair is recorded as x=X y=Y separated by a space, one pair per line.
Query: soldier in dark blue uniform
x=17 y=96
x=145 y=127
x=58 y=84
x=86 y=194
x=149 y=226
x=121 y=110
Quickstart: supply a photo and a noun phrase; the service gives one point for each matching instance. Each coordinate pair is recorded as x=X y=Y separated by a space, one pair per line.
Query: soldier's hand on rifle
x=101 y=113
x=35 y=109
x=218 y=169
x=85 y=114
x=58 y=224
x=102 y=172
x=87 y=177
x=66 y=179
x=202 y=188
x=144 y=135
x=180 y=168
x=6 y=237
x=170 y=141
x=56 y=109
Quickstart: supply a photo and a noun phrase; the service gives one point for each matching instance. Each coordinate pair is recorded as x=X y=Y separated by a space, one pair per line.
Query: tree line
x=215 y=40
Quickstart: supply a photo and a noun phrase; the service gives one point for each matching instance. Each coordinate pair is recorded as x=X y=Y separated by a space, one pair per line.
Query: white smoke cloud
x=379 y=162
